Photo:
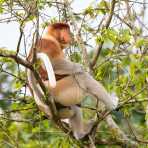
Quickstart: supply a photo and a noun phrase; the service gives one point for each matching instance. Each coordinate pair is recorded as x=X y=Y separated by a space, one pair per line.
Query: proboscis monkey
x=72 y=82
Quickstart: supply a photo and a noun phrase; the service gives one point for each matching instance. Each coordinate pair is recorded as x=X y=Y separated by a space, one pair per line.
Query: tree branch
x=108 y=21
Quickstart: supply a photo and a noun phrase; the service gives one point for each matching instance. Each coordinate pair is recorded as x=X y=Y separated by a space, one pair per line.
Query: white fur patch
x=51 y=76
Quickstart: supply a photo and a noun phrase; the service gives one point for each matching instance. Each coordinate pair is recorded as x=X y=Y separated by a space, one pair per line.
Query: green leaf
x=2 y=1
x=140 y=43
x=18 y=85
x=89 y=11
x=110 y=34
x=124 y=36
x=104 y=7
x=1 y=10
x=14 y=106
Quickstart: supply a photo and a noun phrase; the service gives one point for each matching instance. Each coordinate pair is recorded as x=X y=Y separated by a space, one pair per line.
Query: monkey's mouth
x=62 y=42
x=64 y=45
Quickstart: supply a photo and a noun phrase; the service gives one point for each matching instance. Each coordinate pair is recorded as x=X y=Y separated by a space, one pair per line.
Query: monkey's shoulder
x=47 y=44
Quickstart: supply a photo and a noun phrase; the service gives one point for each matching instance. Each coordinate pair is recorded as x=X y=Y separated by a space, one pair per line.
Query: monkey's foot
x=115 y=101
x=86 y=130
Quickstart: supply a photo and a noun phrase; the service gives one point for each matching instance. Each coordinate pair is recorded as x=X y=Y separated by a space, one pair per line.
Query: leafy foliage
x=121 y=67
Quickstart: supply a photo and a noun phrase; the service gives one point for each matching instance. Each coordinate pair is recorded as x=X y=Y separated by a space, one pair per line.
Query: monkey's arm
x=94 y=88
x=63 y=67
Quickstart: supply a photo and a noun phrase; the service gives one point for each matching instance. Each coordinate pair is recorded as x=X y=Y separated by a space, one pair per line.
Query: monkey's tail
x=46 y=61
x=38 y=95
x=37 y=92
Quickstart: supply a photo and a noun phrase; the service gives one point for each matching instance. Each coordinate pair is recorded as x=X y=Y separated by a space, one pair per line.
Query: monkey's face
x=64 y=38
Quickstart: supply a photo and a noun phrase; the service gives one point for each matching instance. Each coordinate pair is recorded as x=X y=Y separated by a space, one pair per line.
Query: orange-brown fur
x=52 y=44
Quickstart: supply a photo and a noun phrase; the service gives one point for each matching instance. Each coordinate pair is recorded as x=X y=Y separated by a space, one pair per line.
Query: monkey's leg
x=67 y=92
x=77 y=123
x=64 y=112
x=79 y=128
x=93 y=87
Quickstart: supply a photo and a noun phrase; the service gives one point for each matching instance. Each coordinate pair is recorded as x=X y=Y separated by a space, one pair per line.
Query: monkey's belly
x=68 y=92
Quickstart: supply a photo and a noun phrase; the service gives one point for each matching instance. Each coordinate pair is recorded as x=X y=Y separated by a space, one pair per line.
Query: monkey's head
x=61 y=32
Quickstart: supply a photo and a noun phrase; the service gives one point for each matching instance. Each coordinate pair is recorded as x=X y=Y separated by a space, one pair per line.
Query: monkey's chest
x=68 y=97
x=44 y=76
